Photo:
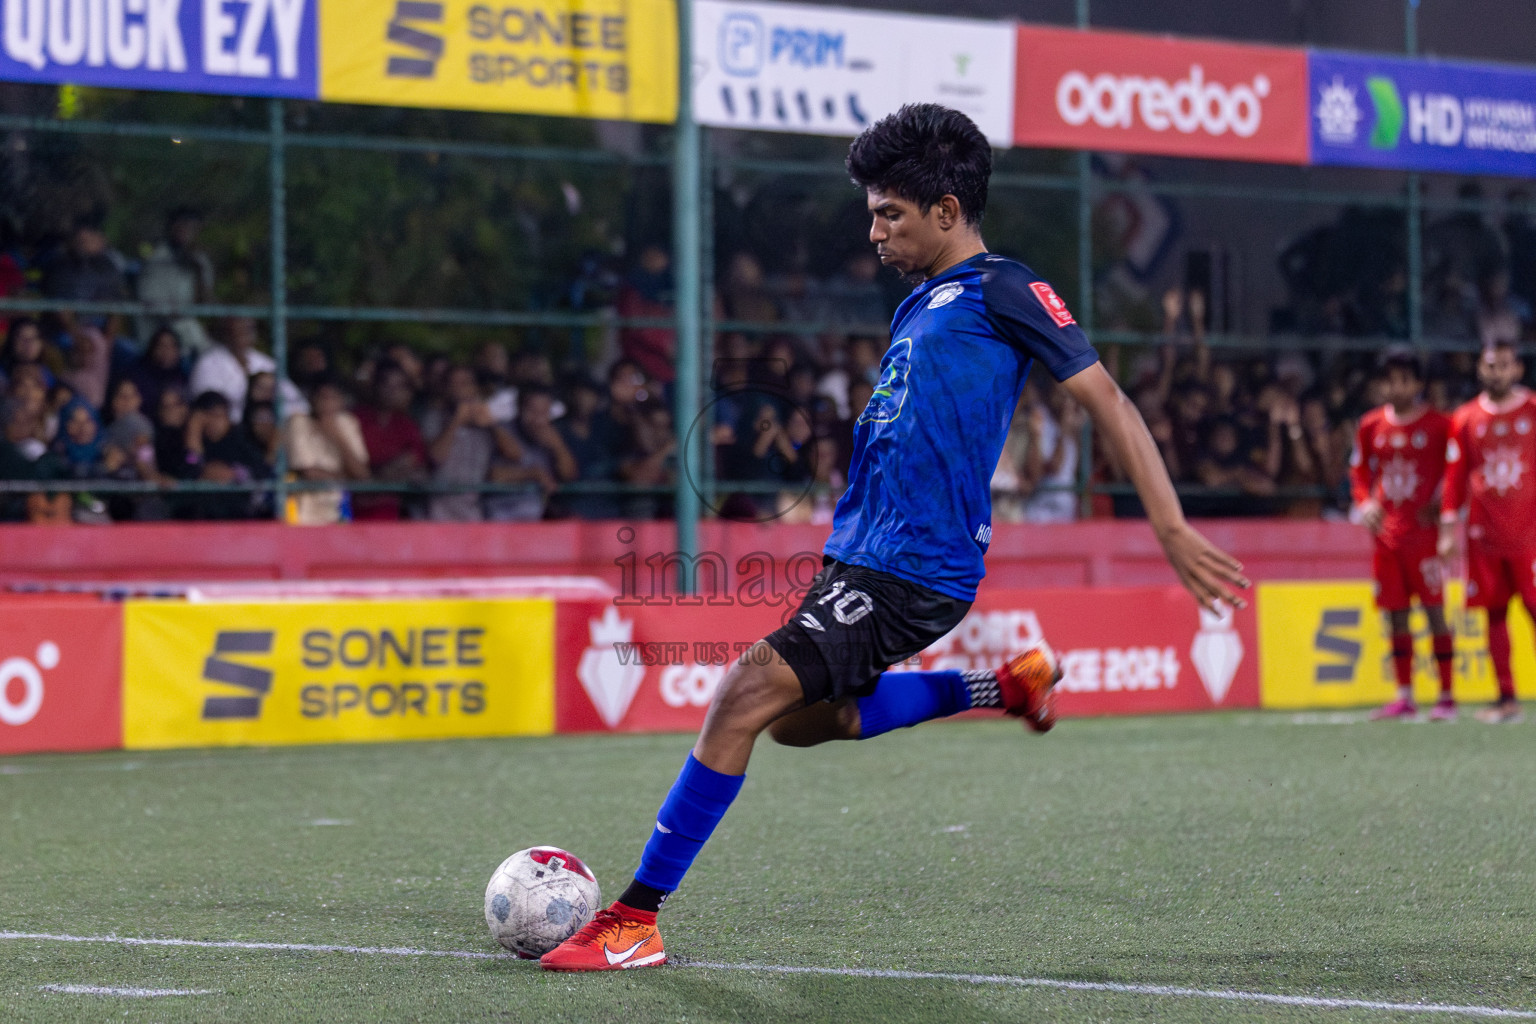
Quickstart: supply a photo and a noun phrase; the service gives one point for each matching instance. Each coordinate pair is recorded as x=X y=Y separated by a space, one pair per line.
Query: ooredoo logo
x=1188 y=105
x=1147 y=94
x=21 y=684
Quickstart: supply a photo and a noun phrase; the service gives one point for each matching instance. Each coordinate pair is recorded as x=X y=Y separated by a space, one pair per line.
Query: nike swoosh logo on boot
x=620 y=957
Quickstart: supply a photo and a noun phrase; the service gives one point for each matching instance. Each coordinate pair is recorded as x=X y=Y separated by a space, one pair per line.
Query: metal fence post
x=685 y=249
x=279 y=231
x=1413 y=213
x=1084 y=296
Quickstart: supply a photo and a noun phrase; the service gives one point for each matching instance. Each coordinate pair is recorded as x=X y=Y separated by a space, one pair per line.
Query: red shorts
x=1407 y=569
x=1493 y=578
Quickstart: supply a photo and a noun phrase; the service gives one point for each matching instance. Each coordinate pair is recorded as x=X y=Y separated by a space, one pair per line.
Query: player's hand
x=1371 y=515
x=1206 y=571
x=1446 y=546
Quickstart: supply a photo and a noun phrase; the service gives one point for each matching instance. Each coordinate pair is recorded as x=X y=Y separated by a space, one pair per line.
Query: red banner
x=61 y=664
x=650 y=668
x=1148 y=94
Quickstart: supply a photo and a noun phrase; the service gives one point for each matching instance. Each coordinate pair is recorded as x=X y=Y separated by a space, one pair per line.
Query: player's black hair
x=1400 y=357
x=922 y=153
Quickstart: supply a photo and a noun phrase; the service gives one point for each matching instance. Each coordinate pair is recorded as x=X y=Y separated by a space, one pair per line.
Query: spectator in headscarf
x=160 y=367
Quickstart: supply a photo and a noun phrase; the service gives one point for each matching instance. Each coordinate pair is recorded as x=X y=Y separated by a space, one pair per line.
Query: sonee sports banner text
x=614 y=59
x=324 y=672
x=1324 y=646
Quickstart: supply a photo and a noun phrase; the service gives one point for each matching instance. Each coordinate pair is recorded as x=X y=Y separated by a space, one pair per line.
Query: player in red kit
x=1489 y=461
x=1395 y=474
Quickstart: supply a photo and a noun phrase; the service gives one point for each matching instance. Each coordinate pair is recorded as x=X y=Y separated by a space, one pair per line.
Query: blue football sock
x=695 y=805
x=903 y=699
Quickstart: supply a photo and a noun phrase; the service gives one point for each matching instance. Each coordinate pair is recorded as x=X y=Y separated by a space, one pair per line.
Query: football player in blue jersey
x=908 y=536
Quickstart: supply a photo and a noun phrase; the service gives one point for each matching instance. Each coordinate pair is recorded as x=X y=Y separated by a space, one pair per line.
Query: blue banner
x=1422 y=115
x=242 y=47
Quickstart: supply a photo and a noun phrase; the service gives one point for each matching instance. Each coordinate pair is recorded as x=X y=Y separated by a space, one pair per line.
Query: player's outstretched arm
x=1206 y=571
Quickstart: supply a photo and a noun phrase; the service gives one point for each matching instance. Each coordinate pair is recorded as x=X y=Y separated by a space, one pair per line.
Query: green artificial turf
x=1299 y=855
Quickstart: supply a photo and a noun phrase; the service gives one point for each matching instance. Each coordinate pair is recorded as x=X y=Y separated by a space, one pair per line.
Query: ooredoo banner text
x=1147 y=94
x=60 y=675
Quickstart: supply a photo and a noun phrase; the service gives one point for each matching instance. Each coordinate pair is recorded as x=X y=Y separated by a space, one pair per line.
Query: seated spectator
x=130 y=445
x=310 y=365
x=592 y=438
x=87 y=269
x=649 y=460
x=89 y=364
x=626 y=389
x=396 y=451
x=544 y=464
x=23 y=457
x=222 y=455
x=1009 y=477
x=173 y=461
x=25 y=344
x=493 y=369
x=259 y=425
x=30 y=392
x=647 y=292
x=744 y=294
x=227 y=367
x=1057 y=425
x=178 y=273
x=461 y=439
x=1225 y=464
x=325 y=444
x=160 y=367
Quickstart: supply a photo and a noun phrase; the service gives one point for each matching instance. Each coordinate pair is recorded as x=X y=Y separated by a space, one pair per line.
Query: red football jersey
x=1400 y=463
x=1489 y=461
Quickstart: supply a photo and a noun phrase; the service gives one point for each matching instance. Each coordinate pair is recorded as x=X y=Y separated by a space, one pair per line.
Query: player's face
x=1498 y=371
x=1400 y=388
x=904 y=236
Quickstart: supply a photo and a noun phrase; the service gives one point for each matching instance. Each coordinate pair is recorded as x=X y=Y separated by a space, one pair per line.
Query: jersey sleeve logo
x=1052 y=303
x=944 y=295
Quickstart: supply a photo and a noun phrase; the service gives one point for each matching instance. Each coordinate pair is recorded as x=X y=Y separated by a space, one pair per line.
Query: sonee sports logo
x=428 y=46
x=257 y=681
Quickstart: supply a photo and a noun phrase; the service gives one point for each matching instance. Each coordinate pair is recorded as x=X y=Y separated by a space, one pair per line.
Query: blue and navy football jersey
x=919 y=498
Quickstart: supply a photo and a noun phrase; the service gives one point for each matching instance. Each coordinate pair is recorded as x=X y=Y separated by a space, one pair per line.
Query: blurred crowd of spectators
x=502 y=433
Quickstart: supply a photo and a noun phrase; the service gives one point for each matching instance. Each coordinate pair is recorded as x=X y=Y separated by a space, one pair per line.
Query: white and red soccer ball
x=538 y=898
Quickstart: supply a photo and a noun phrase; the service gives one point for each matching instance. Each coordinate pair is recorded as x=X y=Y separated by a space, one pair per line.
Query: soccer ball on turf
x=538 y=898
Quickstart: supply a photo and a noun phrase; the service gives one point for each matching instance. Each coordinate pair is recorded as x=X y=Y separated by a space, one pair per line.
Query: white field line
x=1168 y=991
x=130 y=993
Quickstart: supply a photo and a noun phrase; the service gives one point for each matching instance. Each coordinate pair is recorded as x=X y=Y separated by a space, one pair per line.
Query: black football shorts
x=855 y=623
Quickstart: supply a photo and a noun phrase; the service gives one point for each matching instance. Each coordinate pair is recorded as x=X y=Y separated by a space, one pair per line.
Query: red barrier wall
x=1094 y=553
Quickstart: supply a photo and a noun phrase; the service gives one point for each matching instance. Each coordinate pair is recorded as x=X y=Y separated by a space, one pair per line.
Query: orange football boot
x=1027 y=684
x=616 y=939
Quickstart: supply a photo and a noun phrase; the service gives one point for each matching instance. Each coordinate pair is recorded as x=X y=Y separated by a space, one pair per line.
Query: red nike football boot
x=1027 y=684
x=616 y=939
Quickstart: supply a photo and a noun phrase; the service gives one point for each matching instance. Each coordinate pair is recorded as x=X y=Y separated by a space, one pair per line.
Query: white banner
x=833 y=71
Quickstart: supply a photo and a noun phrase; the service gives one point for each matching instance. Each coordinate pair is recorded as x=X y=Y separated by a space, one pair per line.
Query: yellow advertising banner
x=614 y=59
x=1325 y=645
x=332 y=671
